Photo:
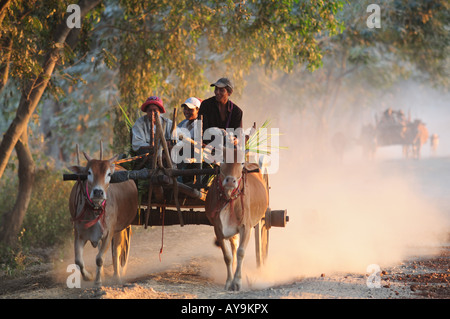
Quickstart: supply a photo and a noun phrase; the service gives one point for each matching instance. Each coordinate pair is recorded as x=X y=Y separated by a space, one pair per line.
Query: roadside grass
x=47 y=224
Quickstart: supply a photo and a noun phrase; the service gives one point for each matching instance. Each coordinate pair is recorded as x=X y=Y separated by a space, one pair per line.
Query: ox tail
x=216 y=242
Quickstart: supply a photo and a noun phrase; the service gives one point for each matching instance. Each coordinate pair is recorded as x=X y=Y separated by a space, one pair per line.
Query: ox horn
x=87 y=156
x=101 y=149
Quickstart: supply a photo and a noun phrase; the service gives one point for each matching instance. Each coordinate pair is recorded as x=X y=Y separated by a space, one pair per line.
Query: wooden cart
x=171 y=202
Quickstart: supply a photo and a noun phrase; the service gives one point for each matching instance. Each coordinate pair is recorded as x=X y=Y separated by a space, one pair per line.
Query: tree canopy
x=127 y=50
x=157 y=47
x=173 y=49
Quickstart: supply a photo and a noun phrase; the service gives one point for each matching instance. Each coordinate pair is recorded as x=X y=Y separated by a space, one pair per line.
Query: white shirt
x=191 y=127
x=193 y=131
x=141 y=131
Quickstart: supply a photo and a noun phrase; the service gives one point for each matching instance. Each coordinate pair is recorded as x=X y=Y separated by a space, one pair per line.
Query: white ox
x=236 y=202
x=102 y=214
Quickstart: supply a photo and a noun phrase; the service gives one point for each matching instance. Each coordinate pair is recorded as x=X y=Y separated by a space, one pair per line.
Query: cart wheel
x=261 y=242
x=262 y=234
x=266 y=180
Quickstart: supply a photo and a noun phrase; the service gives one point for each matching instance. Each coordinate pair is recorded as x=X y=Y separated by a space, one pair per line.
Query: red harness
x=90 y=206
x=223 y=200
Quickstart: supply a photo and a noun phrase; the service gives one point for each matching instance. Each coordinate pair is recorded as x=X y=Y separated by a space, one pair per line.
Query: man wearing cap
x=141 y=129
x=190 y=127
x=190 y=110
x=219 y=111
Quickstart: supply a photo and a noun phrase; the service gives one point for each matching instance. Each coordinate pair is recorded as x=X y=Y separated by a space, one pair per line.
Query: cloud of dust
x=345 y=216
x=344 y=219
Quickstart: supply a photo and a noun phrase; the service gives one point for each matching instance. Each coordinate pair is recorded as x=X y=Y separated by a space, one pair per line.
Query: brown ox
x=102 y=214
x=416 y=135
x=236 y=202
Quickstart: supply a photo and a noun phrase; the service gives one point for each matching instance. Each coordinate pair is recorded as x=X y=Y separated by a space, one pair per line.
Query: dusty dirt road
x=341 y=222
x=188 y=272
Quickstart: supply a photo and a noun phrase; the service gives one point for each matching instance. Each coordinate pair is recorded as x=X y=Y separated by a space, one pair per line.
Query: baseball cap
x=223 y=82
x=156 y=101
x=192 y=103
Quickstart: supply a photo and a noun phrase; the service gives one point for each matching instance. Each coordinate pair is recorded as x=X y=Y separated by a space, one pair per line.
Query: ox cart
x=394 y=129
x=164 y=200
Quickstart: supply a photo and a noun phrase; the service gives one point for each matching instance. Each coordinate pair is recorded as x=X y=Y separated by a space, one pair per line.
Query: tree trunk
x=35 y=88
x=12 y=220
x=31 y=96
x=28 y=102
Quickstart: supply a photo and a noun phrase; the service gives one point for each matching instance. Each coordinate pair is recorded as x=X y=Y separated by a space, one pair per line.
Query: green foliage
x=134 y=48
x=414 y=35
x=12 y=260
x=47 y=222
x=260 y=141
x=419 y=33
x=128 y=122
x=30 y=25
x=170 y=50
x=157 y=47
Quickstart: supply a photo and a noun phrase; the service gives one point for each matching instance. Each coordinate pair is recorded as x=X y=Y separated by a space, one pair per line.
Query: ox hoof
x=87 y=276
x=234 y=286
x=118 y=280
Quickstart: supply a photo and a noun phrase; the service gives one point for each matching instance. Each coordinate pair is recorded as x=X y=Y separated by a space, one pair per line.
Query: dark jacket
x=211 y=115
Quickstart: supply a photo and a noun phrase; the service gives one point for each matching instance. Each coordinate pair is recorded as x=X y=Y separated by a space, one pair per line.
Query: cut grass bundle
x=260 y=140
